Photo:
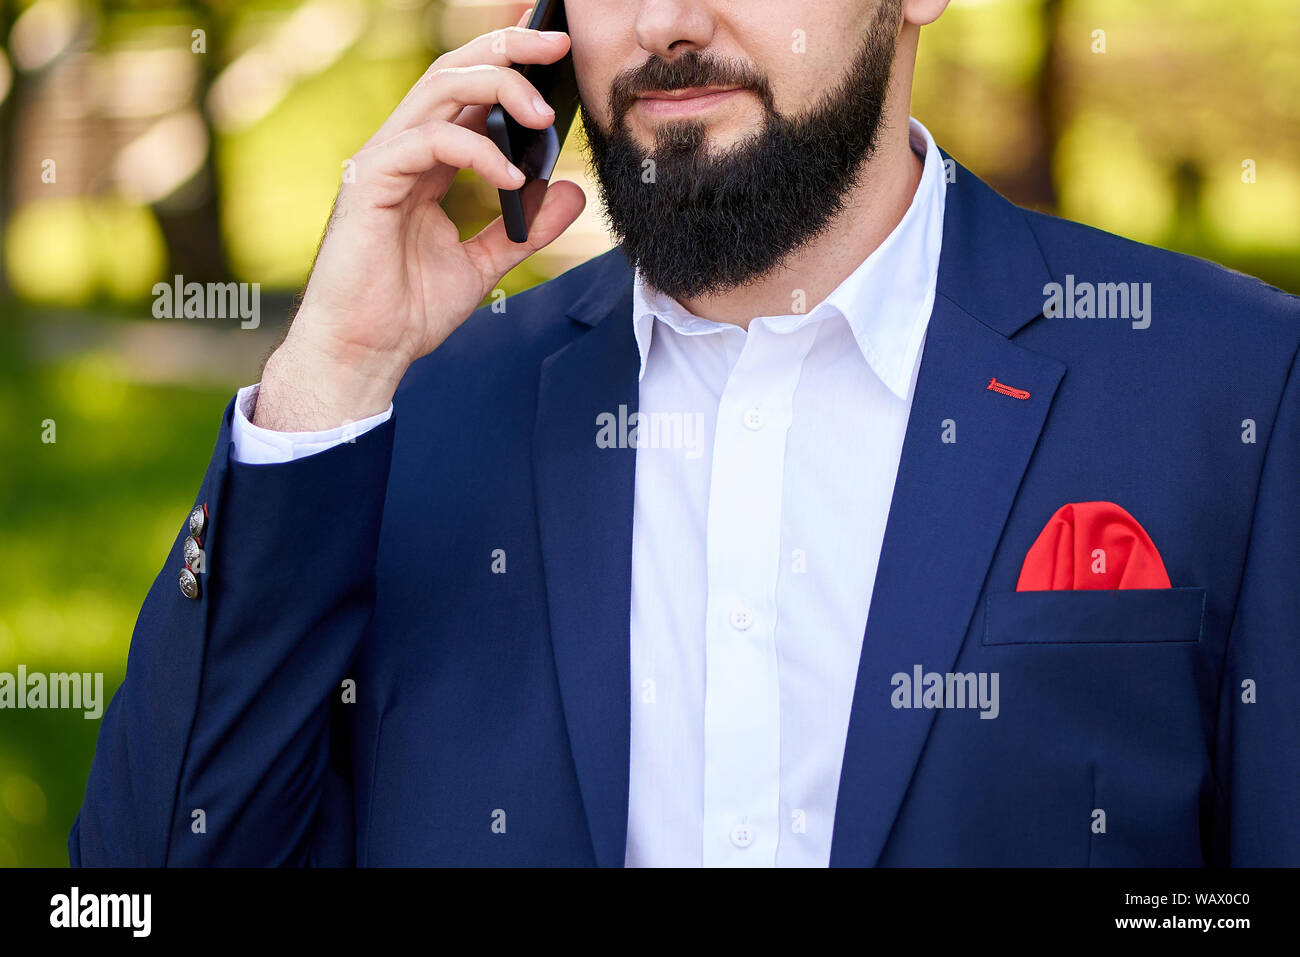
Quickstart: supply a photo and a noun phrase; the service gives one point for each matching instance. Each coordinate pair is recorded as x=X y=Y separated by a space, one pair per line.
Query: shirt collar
x=886 y=300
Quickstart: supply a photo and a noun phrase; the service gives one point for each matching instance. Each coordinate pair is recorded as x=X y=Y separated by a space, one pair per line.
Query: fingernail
x=540 y=105
x=514 y=172
x=552 y=34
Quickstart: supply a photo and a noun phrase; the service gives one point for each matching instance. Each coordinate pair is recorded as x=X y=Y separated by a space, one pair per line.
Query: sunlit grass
x=86 y=523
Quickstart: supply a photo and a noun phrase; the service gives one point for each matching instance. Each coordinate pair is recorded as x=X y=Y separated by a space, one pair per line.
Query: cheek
x=803 y=63
x=805 y=48
x=793 y=77
x=596 y=59
x=593 y=83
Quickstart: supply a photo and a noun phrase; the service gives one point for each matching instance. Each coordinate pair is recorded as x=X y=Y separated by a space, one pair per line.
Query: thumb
x=561 y=204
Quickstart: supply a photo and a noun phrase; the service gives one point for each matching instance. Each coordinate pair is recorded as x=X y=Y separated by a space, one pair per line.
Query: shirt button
x=198 y=519
x=741 y=619
x=753 y=420
x=192 y=550
x=742 y=835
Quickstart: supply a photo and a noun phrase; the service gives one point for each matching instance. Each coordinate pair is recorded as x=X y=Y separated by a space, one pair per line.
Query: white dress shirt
x=753 y=564
x=765 y=468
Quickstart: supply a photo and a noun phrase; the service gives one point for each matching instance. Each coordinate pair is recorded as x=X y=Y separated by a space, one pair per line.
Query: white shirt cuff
x=254 y=445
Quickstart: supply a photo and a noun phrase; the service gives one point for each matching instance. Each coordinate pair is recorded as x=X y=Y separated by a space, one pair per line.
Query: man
x=844 y=514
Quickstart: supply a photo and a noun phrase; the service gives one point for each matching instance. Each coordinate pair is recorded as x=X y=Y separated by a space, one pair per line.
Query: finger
x=386 y=174
x=474 y=117
x=500 y=48
x=509 y=45
x=495 y=254
x=436 y=182
x=485 y=84
x=527 y=15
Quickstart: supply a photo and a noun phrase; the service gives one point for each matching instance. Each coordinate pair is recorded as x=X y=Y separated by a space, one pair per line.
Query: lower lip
x=686 y=106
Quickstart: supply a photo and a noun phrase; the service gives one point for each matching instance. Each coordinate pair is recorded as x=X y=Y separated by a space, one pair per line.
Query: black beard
x=695 y=223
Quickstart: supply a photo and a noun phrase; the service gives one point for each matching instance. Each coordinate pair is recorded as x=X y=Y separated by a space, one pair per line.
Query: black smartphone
x=536 y=151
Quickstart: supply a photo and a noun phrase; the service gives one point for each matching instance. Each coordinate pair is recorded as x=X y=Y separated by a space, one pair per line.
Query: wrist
x=306 y=389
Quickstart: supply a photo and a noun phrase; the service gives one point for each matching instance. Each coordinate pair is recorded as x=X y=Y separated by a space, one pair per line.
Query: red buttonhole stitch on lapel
x=996 y=386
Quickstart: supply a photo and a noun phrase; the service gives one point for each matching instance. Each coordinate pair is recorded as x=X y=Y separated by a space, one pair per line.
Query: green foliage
x=85 y=522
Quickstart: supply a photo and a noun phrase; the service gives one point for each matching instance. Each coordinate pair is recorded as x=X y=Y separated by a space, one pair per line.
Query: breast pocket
x=1121 y=616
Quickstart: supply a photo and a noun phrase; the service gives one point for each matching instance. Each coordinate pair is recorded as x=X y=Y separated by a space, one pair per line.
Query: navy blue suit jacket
x=483 y=698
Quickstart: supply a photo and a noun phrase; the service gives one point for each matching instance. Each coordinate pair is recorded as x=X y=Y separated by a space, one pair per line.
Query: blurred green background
x=133 y=148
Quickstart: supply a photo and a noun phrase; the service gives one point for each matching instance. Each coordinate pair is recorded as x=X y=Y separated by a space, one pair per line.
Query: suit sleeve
x=1259 y=721
x=216 y=749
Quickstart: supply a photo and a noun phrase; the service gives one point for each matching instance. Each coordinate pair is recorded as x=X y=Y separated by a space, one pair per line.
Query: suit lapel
x=584 y=508
x=951 y=499
x=950 y=503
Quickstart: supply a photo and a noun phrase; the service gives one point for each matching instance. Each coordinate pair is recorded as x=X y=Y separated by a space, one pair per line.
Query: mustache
x=688 y=70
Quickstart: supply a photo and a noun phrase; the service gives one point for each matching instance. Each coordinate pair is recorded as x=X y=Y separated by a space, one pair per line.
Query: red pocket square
x=1092 y=545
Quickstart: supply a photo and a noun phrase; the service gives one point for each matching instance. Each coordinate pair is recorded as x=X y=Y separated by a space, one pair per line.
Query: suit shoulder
x=1202 y=293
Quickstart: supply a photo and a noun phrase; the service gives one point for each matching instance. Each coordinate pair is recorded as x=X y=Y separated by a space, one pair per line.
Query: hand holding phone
x=392 y=278
x=535 y=152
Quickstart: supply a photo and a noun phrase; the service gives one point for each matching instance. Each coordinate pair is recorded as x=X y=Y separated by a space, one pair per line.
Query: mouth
x=685 y=102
